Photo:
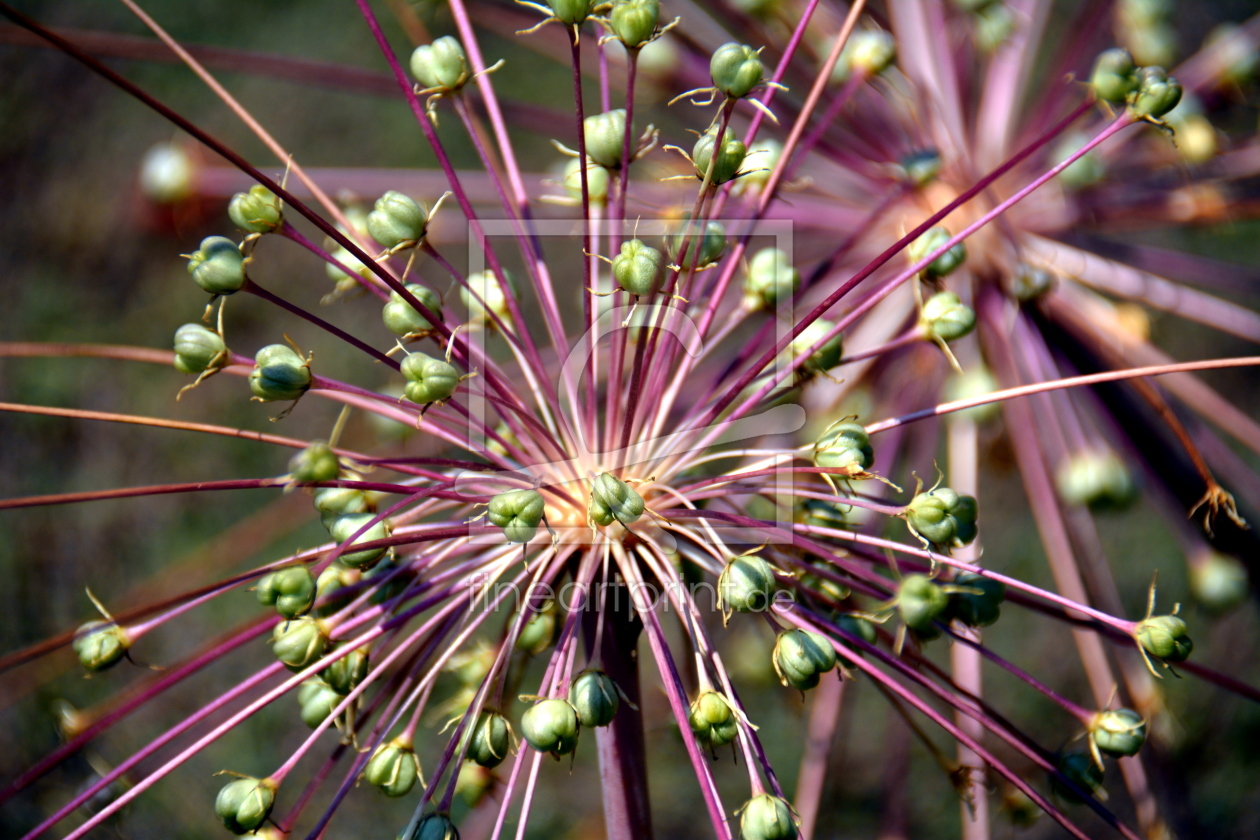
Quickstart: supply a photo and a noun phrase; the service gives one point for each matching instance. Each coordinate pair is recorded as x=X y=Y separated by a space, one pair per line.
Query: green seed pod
x=825 y=357
x=244 y=804
x=490 y=740
x=394 y=768
x=975 y=381
x=762 y=156
x=1114 y=76
x=637 y=269
x=539 y=632
x=344 y=675
x=597 y=180
x=1165 y=637
x=818 y=513
x=1118 y=732
x=440 y=66
x=434 y=827
x=291 y=591
x=921 y=168
x=868 y=51
x=551 y=726
x=612 y=500
x=1157 y=93
x=1086 y=170
x=397 y=221
x=256 y=211
x=316 y=699
x=747 y=584
x=402 y=319
x=1218 y=583
x=801 y=657
x=1079 y=768
x=217 y=266
x=943 y=517
x=713 y=720
x=493 y=294
x=595 y=698
x=197 y=348
x=279 y=374
x=383 y=592
x=100 y=645
x=299 y=642
x=927 y=243
x=315 y=463
x=1028 y=282
x=770 y=279
x=571 y=12
x=345 y=525
x=993 y=27
x=767 y=817
x=855 y=626
x=711 y=245
x=429 y=380
x=735 y=69
x=332 y=502
x=729 y=158
x=980 y=608
x=845 y=446
x=518 y=513
x=605 y=136
x=1097 y=478
x=946 y=317
x=920 y=601
x=336 y=576
x=634 y=21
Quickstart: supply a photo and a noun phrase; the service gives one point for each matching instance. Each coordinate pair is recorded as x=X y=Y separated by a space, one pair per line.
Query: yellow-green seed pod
x=316 y=701
x=711 y=244
x=1114 y=76
x=256 y=211
x=397 y=221
x=346 y=525
x=100 y=645
x=975 y=381
x=1118 y=732
x=218 y=266
x=1157 y=93
x=595 y=698
x=291 y=591
x=825 y=357
x=921 y=168
x=1081 y=769
x=946 y=317
x=1096 y=478
x=490 y=739
x=539 y=632
x=299 y=642
x=634 y=21
x=868 y=51
x=332 y=502
x=730 y=157
x=767 y=817
x=993 y=27
x=198 y=348
x=394 y=768
x=612 y=500
x=440 y=66
x=762 y=157
x=344 y=675
x=920 y=602
x=402 y=319
x=1165 y=637
x=943 y=517
x=337 y=576
x=571 y=12
x=1218 y=583
x=244 y=804
x=770 y=279
x=712 y=719
x=597 y=181
x=279 y=374
x=551 y=726
x=605 y=136
x=801 y=657
x=637 y=268
x=429 y=380
x=747 y=584
x=518 y=513
x=736 y=69
x=315 y=463
x=927 y=243
x=493 y=297
x=845 y=446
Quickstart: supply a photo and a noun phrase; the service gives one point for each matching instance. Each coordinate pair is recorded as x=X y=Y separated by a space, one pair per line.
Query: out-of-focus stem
x=824 y=718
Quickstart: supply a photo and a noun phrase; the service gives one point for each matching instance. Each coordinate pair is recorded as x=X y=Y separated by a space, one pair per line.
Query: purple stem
x=289 y=232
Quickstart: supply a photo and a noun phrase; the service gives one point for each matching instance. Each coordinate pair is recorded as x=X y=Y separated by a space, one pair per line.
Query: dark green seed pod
x=946 y=317
x=299 y=642
x=637 y=268
x=605 y=136
x=344 y=675
x=345 y=526
x=921 y=168
x=571 y=12
x=394 y=768
x=825 y=357
x=713 y=720
x=767 y=817
x=711 y=244
x=291 y=591
x=977 y=608
x=315 y=463
x=316 y=699
x=855 y=626
x=429 y=380
x=279 y=374
x=634 y=21
x=1114 y=76
x=747 y=584
x=100 y=645
x=402 y=319
x=218 y=266
x=770 y=279
x=735 y=69
x=382 y=592
x=927 y=243
x=256 y=211
x=397 y=221
x=1218 y=583
x=490 y=740
x=244 y=804
x=1028 y=282
x=943 y=517
x=729 y=158
x=198 y=348
x=1118 y=732
x=551 y=726
x=518 y=513
x=433 y=827
x=845 y=446
x=336 y=576
x=818 y=513
x=801 y=657
x=1096 y=478
x=440 y=66
x=595 y=698
x=538 y=633
x=612 y=500
x=1079 y=768
x=920 y=602
x=1165 y=637
x=1157 y=93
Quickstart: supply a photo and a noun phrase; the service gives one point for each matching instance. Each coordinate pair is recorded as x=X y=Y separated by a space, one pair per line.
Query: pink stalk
x=288 y=231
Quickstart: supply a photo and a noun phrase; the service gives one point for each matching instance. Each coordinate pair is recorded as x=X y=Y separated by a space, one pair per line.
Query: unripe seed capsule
x=315 y=463
x=291 y=591
x=612 y=500
x=491 y=290
x=594 y=697
x=1097 y=478
x=921 y=168
x=429 y=380
x=244 y=804
x=729 y=158
x=763 y=156
x=978 y=608
x=440 y=66
x=1028 y=282
x=735 y=69
x=256 y=211
x=868 y=51
x=299 y=642
x=538 y=633
x=747 y=584
x=597 y=180
x=217 y=266
x=1218 y=582
x=344 y=675
x=943 y=517
x=197 y=348
x=434 y=827
x=551 y=726
x=1079 y=768
x=825 y=357
x=1114 y=76
x=345 y=525
x=1157 y=93
x=393 y=768
x=927 y=243
x=920 y=602
x=946 y=317
x=570 y=12
x=767 y=817
x=713 y=720
x=634 y=21
x=710 y=244
x=1165 y=637
x=1118 y=732
x=316 y=700
x=637 y=268
x=855 y=626
x=100 y=645
x=801 y=657
x=397 y=221
x=491 y=739
x=518 y=513
x=279 y=374
x=605 y=136
x=402 y=319
x=845 y=446
x=336 y=576
x=771 y=278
